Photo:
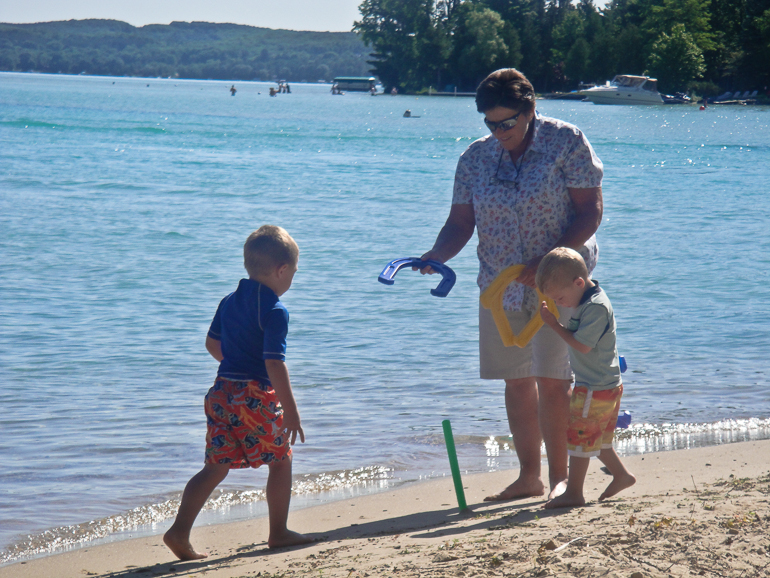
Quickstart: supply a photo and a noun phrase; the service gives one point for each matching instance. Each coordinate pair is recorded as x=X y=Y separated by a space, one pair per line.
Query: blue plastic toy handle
x=448 y=276
x=624 y=420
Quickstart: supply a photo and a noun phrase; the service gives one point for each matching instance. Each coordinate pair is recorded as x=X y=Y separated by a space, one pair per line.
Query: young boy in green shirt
x=562 y=275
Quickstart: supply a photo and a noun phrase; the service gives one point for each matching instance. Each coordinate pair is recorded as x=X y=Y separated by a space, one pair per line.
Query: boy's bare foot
x=565 y=500
x=558 y=490
x=618 y=484
x=181 y=548
x=517 y=490
x=288 y=538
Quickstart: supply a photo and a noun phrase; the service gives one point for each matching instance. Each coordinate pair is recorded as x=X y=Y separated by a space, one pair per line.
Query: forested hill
x=181 y=49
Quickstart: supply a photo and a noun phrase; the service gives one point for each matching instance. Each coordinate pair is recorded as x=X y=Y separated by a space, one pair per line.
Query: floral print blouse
x=522 y=209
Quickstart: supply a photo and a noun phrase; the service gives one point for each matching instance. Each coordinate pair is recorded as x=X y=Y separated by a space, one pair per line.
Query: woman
x=532 y=185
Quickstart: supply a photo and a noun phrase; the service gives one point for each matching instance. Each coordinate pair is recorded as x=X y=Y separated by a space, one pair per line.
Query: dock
x=432 y=92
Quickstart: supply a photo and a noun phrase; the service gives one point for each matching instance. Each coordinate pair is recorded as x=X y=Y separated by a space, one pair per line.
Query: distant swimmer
x=273 y=91
x=233 y=90
x=394 y=91
x=408 y=114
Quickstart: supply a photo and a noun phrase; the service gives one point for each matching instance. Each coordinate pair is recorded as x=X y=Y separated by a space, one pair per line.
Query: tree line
x=180 y=49
x=705 y=46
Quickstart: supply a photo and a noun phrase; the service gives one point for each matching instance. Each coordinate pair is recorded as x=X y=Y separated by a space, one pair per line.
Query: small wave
x=145 y=129
x=78 y=535
x=27 y=123
x=645 y=438
x=120 y=186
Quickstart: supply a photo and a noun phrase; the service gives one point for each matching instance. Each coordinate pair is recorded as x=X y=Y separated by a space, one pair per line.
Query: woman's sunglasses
x=506 y=124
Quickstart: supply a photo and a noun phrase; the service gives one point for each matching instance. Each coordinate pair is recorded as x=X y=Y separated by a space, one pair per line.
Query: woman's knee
x=520 y=384
x=556 y=388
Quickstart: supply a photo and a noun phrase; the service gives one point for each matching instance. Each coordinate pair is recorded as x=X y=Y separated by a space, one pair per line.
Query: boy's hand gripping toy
x=492 y=299
x=447 y=281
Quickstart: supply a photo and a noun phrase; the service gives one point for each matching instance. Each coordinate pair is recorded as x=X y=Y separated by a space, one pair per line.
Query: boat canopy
x=361 y=78
x=362 y=83
x=643 y=82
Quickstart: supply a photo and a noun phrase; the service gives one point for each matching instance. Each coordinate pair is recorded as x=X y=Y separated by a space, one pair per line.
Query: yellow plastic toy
x=492 y=299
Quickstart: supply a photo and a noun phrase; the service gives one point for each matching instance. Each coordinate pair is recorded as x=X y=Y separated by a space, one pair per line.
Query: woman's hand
x=527 y=276
x=429 y=256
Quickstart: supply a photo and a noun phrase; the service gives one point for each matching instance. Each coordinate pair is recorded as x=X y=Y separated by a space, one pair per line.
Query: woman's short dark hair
x=506 y=87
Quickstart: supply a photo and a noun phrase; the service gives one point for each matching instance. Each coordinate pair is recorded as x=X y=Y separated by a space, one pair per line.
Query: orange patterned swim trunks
x=244 y=424
x=592 y=419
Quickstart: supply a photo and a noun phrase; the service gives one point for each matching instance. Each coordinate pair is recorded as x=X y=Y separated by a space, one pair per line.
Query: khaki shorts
x=546 y=355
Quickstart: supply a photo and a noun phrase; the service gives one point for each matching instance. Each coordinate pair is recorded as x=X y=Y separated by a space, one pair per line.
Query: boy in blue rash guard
x=562 y=275
x=251 y=415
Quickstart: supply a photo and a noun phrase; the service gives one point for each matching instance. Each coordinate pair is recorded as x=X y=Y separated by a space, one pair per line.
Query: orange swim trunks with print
x=244 y=424
x=592 y=419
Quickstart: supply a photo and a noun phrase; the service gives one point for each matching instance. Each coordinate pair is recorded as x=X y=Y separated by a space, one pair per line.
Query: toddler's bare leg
x=573 y=495
x=621 y=477
x=197 y=491
x=278 y=493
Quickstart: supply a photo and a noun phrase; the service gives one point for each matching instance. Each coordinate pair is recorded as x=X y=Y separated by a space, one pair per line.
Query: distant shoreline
x=194 y=50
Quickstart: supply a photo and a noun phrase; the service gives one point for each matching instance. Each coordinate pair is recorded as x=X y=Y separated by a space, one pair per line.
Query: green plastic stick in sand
x=454 y=466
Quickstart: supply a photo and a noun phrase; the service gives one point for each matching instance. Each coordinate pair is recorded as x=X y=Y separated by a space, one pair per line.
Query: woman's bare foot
x=181 y=547
x=519 y=489
x=288 y=538
x=565 y=500
x=618 y=484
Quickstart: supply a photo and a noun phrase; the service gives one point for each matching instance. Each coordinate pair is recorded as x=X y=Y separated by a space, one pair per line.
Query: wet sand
x=699 y=512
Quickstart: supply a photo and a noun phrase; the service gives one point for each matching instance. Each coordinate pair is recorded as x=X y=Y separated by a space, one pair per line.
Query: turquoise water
x=124 y=204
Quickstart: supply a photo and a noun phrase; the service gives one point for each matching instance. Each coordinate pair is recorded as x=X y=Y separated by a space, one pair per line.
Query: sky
x=321 y=15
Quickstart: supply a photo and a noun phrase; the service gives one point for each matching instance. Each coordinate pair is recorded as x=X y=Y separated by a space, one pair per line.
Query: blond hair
x=268 y=247
x=560 y=267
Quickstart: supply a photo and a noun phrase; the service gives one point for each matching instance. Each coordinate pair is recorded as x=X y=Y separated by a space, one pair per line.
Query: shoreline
x=239 y=503
x=236 y=504
x=715 y=495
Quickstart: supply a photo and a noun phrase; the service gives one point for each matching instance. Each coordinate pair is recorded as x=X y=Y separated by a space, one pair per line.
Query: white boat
x=625 y=89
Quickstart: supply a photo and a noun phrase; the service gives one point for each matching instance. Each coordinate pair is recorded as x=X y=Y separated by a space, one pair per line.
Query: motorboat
x=625 y=89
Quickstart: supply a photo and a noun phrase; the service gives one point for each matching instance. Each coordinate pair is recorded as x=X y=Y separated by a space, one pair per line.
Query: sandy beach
x=699 y=512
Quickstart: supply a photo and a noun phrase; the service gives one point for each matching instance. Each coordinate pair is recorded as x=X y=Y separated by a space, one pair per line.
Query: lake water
x=124 y=204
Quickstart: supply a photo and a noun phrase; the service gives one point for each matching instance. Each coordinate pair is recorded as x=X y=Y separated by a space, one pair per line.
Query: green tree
x=570 y=49
x=632 y=56
x=399 y=33
x=479 y=44
x=692 y=14
x=754 y=63
x=576 y=65
x=676 y=59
